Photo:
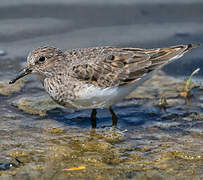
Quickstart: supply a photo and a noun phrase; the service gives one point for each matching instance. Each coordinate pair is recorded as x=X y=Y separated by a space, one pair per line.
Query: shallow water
x=150 y=143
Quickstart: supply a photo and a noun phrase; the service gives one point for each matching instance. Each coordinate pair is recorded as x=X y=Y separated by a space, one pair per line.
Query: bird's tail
x=162 y=56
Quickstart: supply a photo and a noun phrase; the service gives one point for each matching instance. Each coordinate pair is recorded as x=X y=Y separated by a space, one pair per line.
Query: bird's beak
x=21 y=74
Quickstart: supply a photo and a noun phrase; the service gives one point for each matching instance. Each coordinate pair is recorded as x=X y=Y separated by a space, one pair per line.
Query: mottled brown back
x=109 y=66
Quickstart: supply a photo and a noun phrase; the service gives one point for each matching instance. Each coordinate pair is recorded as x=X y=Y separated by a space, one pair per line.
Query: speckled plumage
x=98 y=77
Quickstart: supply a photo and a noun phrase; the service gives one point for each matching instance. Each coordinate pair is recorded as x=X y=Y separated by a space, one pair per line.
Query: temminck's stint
x=92 y=78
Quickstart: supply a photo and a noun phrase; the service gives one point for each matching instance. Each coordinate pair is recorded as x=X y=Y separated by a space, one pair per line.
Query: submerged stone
x=109 y=134
x=6 y=88
x=191 y=156
x=2 y=52
x=21 y=153
x=36 y=105
x=159 y=85
x=55 y=130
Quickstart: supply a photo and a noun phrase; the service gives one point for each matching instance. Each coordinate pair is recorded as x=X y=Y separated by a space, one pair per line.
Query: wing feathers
x=119 y=66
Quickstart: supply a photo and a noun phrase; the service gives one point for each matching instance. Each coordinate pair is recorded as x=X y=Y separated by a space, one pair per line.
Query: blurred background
x=159 y=143
x=66 y=24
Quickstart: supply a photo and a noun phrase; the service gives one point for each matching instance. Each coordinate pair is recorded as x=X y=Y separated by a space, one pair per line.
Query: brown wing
x=119 y=66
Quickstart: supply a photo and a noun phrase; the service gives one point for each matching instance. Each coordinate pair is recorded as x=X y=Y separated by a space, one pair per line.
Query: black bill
x=23 y=73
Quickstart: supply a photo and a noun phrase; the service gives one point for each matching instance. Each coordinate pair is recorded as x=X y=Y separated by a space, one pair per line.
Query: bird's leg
x=114 y=117
x=93 y=118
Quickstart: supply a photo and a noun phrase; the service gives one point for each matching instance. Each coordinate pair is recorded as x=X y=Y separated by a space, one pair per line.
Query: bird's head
x=41 y=61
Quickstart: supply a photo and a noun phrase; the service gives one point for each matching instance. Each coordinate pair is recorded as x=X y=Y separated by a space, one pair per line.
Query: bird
x=97 y=77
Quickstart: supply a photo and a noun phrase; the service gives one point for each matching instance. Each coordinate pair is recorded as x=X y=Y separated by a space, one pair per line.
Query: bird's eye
x=42 y=59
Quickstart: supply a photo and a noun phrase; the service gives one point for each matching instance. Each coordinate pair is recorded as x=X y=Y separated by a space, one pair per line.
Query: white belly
x=90 y=96
x=94 y=97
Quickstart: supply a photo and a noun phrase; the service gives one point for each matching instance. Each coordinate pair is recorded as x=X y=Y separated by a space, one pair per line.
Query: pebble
x=2 y=52
x=6 y=166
